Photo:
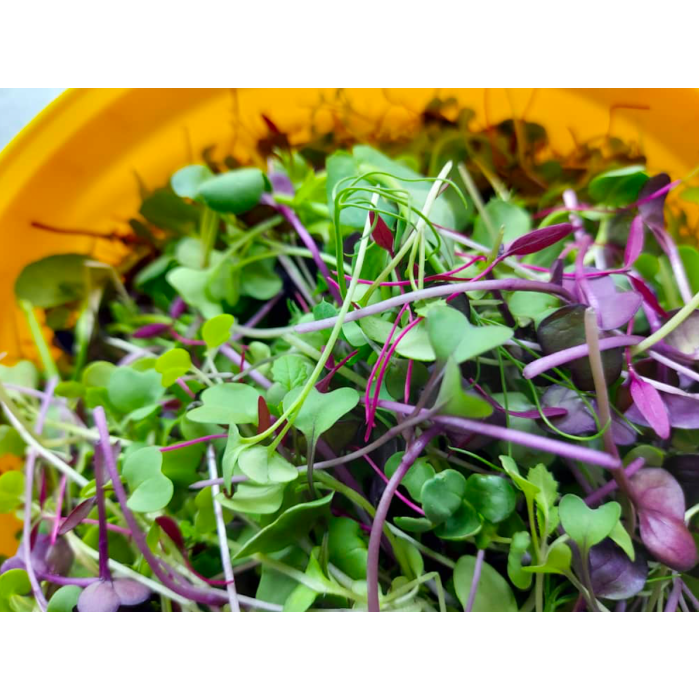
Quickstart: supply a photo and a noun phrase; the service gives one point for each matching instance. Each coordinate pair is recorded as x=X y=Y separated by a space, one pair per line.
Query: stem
x=221 y=532
x=39 y=340
x=675 y=596
x=475 y=580
x=478 y=202
x=668 y=327
x=410 y=456
x=102 y=543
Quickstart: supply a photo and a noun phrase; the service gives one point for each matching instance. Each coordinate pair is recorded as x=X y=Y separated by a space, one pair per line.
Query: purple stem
x=475 y=580
x=258 y=316
x=689 y=594
x=181 y=383
x=375 y=538
x=196 y=595
x=535 y=442
x=194 y=441
x=630 y=470
x=673 y=365
x=34 y=393
x=546 y=363
x=399 y=495
x=256 y=376
x=59 y=506
x=674 y=597
x=29 y=494
x=668 y=245
x=506 y=285
x=306 y=238
x=102 y=542
x=90 y=521
x=68 y=580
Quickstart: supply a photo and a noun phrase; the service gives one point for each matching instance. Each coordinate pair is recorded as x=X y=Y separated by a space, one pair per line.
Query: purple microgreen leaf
x=99 y=597
x=578 y=419
x=131 y=592
x=172 y=530
x=661 y=507
x=281 y=184
x=635 y=242
x=652 y=209
x=264 y=419
x=151 y=330
x=77 y=515
x=614 y=308
x=381 y=233
x=650 y=404
x=538 y=240
x=648 y=295
x=613 y=574
x=178 y=307
x=682 y=412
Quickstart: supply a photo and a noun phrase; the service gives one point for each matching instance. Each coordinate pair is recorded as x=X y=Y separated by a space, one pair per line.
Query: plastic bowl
x=78 y=164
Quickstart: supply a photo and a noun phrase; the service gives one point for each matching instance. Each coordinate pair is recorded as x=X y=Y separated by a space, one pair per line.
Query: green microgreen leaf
x=11 y=491
x=187 y=181
x=235 y=192
x=442 y=495
x=52 y=281
x=519 y=545
x=492 y=496
x=254 y=499
x=227 y=403
x=320 y=412
x=151 y=490
x=129 y=390
x=265 y=467
x=493 y=593
x=216 y=331
x=172 y=365
x=587 y=526
x=347 y=547
x=64 y=599
x=418 y=473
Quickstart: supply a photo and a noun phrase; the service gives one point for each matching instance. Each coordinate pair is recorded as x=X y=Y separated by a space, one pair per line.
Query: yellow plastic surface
x=76 y=165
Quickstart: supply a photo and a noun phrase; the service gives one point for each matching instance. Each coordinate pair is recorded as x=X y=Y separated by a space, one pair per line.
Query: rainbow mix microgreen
x=447 y=373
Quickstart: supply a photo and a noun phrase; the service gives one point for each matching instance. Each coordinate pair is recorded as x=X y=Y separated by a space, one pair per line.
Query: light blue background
x=18 y=106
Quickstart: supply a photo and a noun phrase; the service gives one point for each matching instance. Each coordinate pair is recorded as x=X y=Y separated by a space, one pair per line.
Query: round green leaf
x=187 y=181
x=319 y=412
x=235 y=192
x=265 y=467
x=492 y=497
x=172 y=365
x=419 y=472
x=442 y=495
x=52 y=281
x=11 y=490
x=493 y=593
x=216 y=331
x=464 y=523
x=64 y=599
x=254 y=499
x=227 y=403
x=129 y=390
x=446 y=330
x=514 y=220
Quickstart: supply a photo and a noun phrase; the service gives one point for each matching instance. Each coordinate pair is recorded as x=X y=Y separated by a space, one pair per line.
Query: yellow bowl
x=77 y=165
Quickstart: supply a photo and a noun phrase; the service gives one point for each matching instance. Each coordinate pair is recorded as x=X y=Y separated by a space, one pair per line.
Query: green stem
x=35 y=328
x=668 y=327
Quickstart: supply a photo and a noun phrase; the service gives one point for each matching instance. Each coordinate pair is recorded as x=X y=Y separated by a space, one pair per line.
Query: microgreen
x=438 y=374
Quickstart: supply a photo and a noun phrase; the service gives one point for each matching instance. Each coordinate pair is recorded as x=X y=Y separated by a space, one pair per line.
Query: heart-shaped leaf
x=587 y=526
x=191 y=285
x=227 y=403
x=463 y=523
x=150 y=489
x=454 y=401
x=172 y=365
x=319 y=412
x=442 y=495
x=129 y=390
x=493 y=594
x=265 y=467
x=187 y=181
x=446 y=330
x=216 y=331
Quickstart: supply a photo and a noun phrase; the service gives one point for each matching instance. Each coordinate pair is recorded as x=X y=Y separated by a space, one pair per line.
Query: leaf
x=661 y=508
x=413 y=524
x=53 y=281
x=294 y=523
x=164 y=209
x=615 y=575
x=463 y=523
x=418 y=473
x=23 y=373
x=442 y=495
x=291 y=371
x=684 y=337
x=235 y=192
x=622 y=539
x=558 y=560
x=216 y=331
x=172 y=365
x=226 y=404
x=446 y=330
x=514 y=220
x=493 y=593
x=11 y=491
x=129 y=390
x=545 y=498
x=529 y=489
x=492 y=496
x=347 y=547
x=14 y=582
x=265 y=467
x=455 y=401
x=187 y=181
x=587 y=526
x=254 y=499
x=381 y=233
x=150 y=489
x=532 y=304
x=11 y=442
x=191 y=285
x=77 y=515
x=650 y=404
x=99 y=597
x=519 y=545
x=691 y=262
x=538 y=240
x=620 y=187
x=97 y=374
x=64 y=599
x=260 y=281
x=320 y=412
x=234 y=448
x=635 y=242
x=565 y=329
x=224 y=282
x=303 y=597
x=476 y=341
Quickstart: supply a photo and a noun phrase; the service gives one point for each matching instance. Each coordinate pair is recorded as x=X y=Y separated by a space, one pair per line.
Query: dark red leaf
x=648 y=296
x=538 y=240
x=661 y=506
x=381 y=233
x=635 y=241
x=650 y=404
x=264 y=421
x=652 y=210
x=172 y=530
x=151 y=330
x=77 y=515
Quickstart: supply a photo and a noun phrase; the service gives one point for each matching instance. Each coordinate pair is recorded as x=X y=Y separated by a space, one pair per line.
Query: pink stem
x=399 y=495
x=475 y=580
x=59 y=506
